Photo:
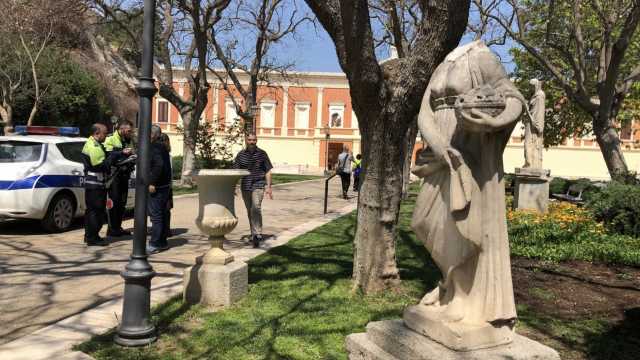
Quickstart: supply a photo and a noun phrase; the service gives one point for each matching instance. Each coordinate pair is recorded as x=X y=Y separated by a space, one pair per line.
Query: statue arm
x=479 y=121
x=427 y=126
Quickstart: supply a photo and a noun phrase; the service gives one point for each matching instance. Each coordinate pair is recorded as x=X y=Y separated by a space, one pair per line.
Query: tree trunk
x=32 y=114
x=609 y=142
x=410 y=142
x=374 y=267
x=188 y=148
x=6 y=114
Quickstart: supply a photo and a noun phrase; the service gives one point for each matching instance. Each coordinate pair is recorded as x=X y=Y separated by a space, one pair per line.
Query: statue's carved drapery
x=468 y=113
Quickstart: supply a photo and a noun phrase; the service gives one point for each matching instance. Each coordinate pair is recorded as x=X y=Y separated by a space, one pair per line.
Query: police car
x=41 y=176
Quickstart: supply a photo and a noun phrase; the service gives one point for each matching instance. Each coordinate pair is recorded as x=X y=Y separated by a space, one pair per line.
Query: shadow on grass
x=163 y=316
x=621 y=341
x=300 y=305
x=590 y=338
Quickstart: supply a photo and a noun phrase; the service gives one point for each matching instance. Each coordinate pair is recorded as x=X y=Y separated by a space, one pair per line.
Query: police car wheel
x=60 y=213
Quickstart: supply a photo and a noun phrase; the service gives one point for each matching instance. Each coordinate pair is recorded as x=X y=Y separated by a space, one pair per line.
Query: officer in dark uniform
x=119 y=188
x=96 y=168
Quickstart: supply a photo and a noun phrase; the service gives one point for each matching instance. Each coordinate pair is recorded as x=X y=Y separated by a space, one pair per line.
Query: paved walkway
x=46 y=278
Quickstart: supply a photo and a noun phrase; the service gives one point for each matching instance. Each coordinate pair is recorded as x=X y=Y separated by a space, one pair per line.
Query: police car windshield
x=19 y=151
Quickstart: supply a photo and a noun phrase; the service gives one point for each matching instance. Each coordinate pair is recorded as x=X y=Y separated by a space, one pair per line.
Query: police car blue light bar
x=47 y=130
x=69 y=131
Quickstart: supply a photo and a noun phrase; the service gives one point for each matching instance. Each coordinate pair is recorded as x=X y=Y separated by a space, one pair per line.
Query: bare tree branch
x=268 y=23
x=543 y=60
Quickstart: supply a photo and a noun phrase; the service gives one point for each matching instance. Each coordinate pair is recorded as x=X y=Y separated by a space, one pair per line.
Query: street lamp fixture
x=136 y=328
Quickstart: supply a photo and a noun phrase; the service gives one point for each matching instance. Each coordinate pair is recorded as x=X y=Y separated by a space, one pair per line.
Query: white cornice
x=318 y=79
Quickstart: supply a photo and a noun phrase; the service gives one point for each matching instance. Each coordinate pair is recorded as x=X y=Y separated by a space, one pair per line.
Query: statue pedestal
x=455 y=335
x=531 y=189
x=216 y=280
x=392 y=340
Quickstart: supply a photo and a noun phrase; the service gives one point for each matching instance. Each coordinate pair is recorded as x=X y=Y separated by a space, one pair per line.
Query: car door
x=72 y=165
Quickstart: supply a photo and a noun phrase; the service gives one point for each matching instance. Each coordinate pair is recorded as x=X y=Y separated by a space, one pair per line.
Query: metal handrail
x=326 y=191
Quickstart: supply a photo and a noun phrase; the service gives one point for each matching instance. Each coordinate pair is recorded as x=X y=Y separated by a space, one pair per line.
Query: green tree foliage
x=618 y=206
x=587 y=51
x=550 y=28
x=73 y=96
x=564 y=118
x=14 y=69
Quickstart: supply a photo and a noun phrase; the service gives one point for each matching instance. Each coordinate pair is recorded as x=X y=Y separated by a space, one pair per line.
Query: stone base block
x=392 y=340
x=454 y=335
x=216 y=285
x=531 y=189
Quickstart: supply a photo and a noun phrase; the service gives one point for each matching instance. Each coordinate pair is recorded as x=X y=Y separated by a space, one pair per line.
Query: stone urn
x=216 y=210
x=216 y=279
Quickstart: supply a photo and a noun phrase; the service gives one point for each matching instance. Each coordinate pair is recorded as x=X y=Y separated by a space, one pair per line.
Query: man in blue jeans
x=159 y=192
x=255 y=185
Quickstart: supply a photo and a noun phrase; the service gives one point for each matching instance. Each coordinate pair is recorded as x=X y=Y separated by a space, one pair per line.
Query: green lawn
x=300 y=306
x=276 y=178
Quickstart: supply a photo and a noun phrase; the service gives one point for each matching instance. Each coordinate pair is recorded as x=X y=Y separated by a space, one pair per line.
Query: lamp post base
x=134 y=340
x=136 y=328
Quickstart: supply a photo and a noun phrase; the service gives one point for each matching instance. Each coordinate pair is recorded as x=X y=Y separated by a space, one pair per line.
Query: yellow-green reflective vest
x=96 y=156
x=113 y=142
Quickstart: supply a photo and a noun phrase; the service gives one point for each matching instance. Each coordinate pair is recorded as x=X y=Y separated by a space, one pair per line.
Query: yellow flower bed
x=568 y=232
x=561 y=214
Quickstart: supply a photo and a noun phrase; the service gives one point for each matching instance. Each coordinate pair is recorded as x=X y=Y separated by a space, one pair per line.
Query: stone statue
x=468 y=112
x=534 y=128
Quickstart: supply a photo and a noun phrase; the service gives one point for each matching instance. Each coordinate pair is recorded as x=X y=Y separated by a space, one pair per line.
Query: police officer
x=96 y=167
x=119 y=188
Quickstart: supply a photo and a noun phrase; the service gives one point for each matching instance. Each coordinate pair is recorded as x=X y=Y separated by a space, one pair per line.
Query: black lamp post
x=135 y=327
x=327 y=135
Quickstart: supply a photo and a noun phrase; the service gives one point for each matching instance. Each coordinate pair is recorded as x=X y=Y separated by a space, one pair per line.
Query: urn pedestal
x=531 y=189
x=216 y=280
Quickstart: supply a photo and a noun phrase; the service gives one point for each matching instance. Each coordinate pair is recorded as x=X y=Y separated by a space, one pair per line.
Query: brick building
x=304 y=121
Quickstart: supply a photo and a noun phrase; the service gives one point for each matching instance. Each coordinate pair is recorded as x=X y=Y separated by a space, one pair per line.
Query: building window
x=230 y=114
x=267 y=114
x=336 y=115
x=626 y=131
x=163 y=111
x=302 y=115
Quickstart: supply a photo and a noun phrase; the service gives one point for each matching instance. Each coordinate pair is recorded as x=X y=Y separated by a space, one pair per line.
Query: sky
x=313 y=50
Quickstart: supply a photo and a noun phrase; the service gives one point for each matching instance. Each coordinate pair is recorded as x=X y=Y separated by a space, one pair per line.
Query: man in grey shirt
x=343 y=169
